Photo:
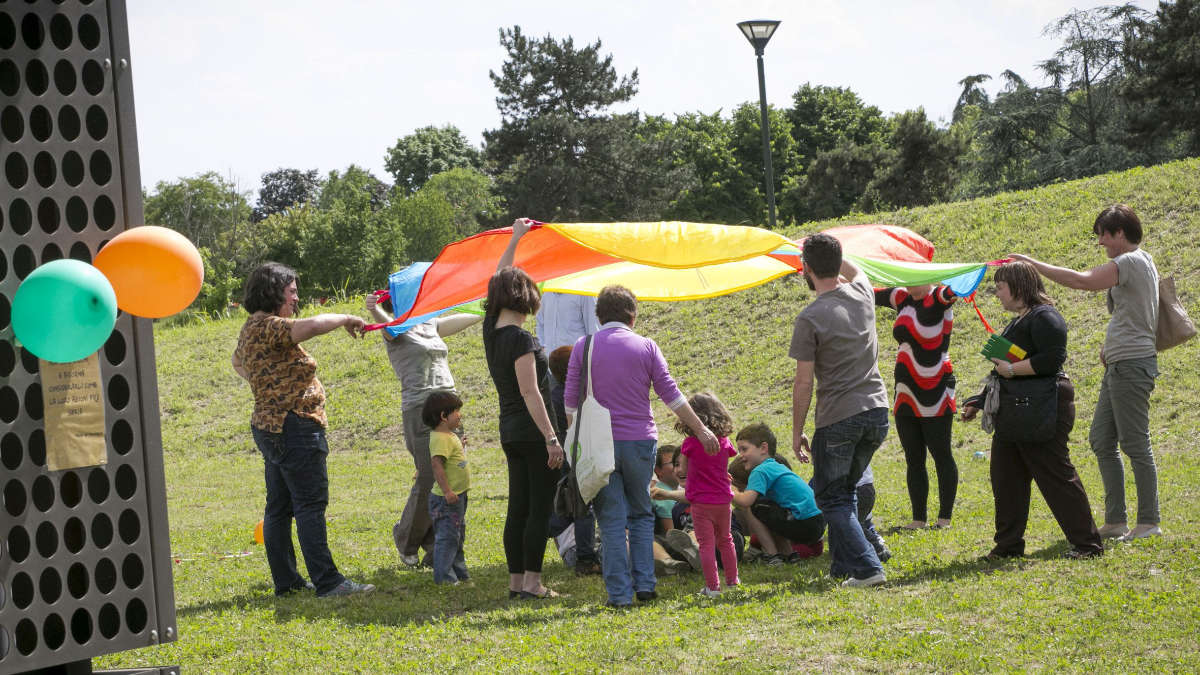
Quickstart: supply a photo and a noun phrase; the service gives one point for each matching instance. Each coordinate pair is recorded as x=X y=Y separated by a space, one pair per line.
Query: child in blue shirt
x=776 y=496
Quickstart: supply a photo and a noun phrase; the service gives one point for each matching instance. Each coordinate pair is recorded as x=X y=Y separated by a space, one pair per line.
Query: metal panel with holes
x=85 y=562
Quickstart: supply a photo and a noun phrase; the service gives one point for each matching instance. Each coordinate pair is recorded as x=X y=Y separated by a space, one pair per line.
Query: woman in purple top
x=625 y=366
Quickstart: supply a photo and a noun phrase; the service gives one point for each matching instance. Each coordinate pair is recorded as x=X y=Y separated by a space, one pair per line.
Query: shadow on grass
x=407 y=596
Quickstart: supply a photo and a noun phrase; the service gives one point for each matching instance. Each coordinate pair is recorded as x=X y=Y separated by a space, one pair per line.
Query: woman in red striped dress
x=924 y=397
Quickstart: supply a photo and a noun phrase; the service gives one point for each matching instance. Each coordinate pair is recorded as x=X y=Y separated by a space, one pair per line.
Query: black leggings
x=917 y=434
x=530 y=498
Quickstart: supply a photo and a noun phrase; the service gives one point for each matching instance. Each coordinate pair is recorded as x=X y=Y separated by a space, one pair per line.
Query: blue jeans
x=297 y=487
x=449 y=533
x=840 y=453
x=625 y=504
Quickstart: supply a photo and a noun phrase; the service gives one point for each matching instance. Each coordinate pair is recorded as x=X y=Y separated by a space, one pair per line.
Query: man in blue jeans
x=834 y=340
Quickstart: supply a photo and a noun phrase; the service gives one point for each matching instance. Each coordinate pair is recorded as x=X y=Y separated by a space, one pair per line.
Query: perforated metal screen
x=85 y=562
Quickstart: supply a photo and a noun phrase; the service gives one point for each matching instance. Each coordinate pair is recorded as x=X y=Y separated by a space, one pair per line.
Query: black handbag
x=1027 y=410
x=568 y=502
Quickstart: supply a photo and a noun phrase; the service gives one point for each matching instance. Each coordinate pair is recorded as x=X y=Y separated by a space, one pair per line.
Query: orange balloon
x=258 y=536
x=155 y=271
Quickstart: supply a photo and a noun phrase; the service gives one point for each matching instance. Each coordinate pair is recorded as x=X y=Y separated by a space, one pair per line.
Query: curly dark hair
x=511 y=288
x=265 y=287
x=438 y=405
x=711 y=412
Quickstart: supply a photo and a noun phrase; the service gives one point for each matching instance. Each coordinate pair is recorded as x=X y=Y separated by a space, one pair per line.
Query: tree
x=356 y=187
x=1164 y=85
x=214 y=214
x=557 y=154
x=209 y=210
x=284 y=188
x=920 y=168
x=1090 y=64
x=713 y=186
x=823 y=118
x=1072 y=127
x=972 y=94
x=748 y=150
x=426 y=152
x=427 y=224
x=469 y=194
x=834 y=182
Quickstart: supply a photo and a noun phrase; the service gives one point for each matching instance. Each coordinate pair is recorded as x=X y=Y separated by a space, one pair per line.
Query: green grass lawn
x=1136 y=609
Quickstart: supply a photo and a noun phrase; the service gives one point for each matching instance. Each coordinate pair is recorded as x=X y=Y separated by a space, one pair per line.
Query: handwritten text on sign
x=74 y=417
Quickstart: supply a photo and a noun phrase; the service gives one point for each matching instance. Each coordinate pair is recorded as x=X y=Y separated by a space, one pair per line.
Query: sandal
x=544 y=595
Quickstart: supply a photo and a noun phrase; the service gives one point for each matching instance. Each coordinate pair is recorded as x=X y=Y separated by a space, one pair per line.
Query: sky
x=242 y=88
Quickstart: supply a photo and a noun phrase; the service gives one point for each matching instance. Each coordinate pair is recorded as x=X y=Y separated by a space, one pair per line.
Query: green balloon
x=64 y=311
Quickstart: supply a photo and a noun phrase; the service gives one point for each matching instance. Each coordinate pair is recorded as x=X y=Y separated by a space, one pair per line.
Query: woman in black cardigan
x=1041 y=331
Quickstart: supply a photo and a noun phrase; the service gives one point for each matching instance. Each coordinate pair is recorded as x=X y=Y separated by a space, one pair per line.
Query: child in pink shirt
x=709 y=492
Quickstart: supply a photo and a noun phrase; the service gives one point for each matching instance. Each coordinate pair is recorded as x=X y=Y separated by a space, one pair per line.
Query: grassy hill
x=1136 y=609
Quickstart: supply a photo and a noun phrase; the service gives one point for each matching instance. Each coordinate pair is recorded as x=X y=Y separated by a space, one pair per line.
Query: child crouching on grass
x=452 y=479
x=709 y=492
x=777 y=498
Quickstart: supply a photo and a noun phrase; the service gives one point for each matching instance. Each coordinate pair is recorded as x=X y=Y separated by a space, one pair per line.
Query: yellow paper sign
x=74 y=413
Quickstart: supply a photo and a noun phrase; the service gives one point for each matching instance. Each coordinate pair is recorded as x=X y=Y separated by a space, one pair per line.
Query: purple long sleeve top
x=625 y=366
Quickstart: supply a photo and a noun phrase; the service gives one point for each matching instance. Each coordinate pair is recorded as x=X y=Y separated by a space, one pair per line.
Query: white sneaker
x=1142 y=532
x=410 y=560
x=1113 y=530
x=709 y=593
x=874 y=580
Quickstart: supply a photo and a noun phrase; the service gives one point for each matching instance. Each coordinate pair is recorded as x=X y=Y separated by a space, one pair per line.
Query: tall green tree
x=920 y=166
x=972 y=94
x=558 y=153
x=284 y=188
x=469 y=194
x=211 y=211
x=356 y=187
x=748 y=150
x=823 y=118
x=1074 y=125
x=214 y=213
x=426 y=152
x=1164 y=82
x=713 y=187
x=835 y=182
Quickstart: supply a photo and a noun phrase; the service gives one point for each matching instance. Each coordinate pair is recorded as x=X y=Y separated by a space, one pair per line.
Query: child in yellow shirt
x=452 y=479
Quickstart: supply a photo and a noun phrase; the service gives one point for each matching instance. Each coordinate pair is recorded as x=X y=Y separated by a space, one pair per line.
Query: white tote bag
x=590 y=438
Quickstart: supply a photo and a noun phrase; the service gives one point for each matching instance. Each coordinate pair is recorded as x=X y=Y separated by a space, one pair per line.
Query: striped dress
x=924 y=374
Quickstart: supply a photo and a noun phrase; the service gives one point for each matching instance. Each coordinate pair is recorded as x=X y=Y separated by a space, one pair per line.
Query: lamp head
x=758 y=32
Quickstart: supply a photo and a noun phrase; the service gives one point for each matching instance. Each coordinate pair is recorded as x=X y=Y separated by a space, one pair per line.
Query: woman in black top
x=1041 y=331
x=518 y=367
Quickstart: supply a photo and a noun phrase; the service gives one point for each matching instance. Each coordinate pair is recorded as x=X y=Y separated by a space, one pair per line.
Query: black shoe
x=1082 y=554
x=612 y=605
x=305 y=586
x=793 y=558
x=646 y=596
x=587 y=568
x=998 y=557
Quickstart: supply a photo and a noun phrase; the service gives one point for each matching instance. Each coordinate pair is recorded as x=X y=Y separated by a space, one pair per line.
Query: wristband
x=552 y=441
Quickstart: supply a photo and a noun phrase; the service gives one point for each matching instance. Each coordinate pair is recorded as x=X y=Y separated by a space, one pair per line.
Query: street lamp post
x=759 y=34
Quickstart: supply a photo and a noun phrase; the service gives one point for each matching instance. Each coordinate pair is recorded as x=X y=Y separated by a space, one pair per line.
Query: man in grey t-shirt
x=834 y=340
x=1130 y=365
